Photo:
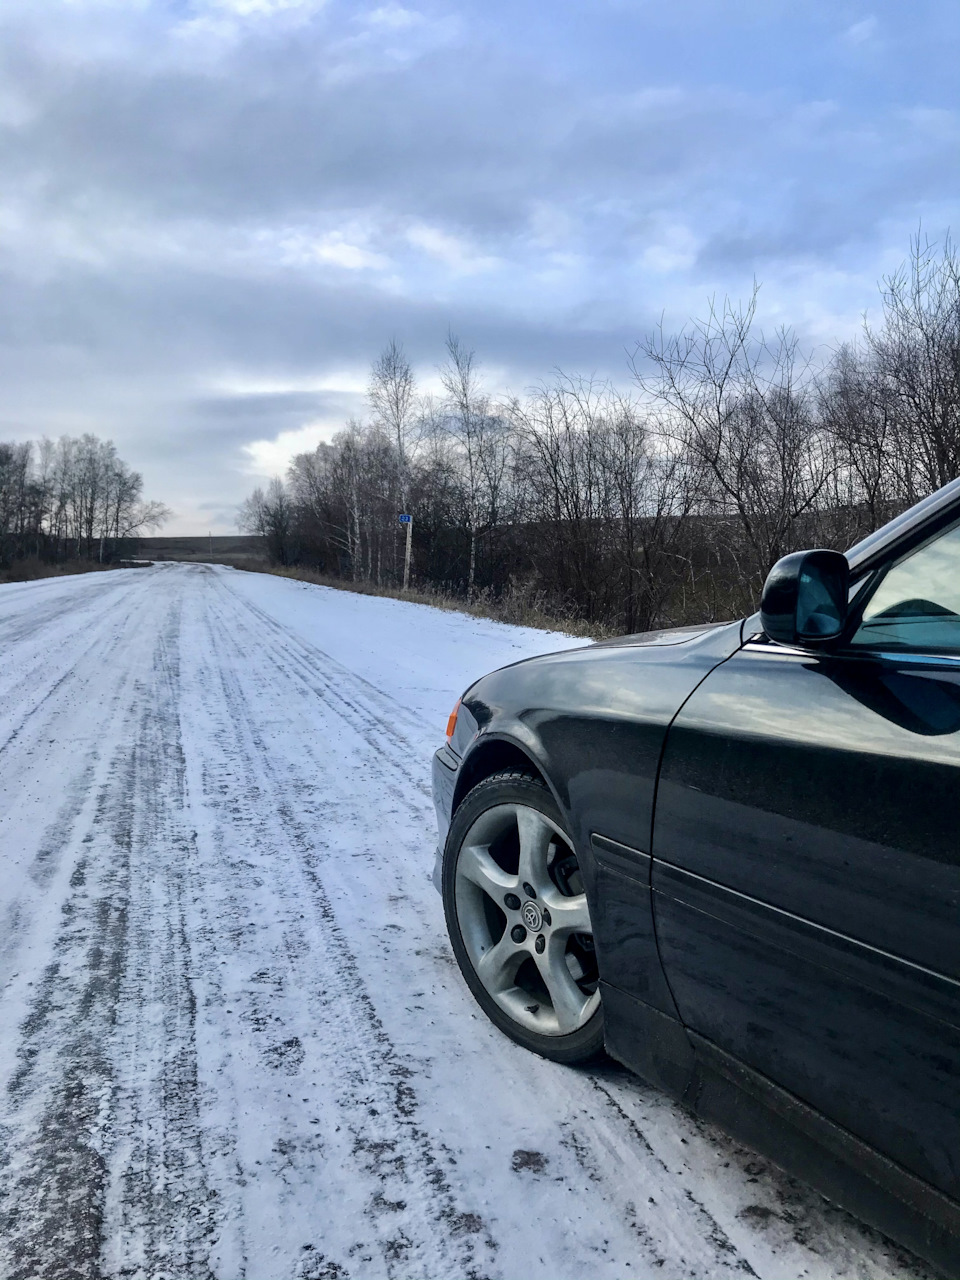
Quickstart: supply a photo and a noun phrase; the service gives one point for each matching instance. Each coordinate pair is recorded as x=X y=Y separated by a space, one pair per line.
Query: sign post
x=408 y=521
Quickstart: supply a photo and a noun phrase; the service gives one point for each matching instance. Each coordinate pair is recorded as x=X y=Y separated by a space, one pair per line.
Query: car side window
x=916 y=604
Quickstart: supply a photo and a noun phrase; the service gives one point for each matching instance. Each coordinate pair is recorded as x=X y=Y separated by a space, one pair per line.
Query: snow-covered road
x=234 y=1041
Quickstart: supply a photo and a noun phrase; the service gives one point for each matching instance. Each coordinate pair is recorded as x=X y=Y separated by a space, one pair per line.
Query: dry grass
x=518 y=605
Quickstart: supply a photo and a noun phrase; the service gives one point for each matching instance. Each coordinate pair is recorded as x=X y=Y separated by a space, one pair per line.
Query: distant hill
x=236 y=549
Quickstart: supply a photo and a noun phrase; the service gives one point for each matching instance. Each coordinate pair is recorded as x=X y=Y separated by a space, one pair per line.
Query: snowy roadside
x=235 y=1043
x=422 y=657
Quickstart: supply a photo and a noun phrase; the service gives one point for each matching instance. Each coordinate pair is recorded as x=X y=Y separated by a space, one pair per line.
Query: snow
x=423 y=657
x=235 y=1041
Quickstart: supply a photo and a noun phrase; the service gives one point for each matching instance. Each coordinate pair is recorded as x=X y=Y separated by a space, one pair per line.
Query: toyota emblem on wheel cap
x=531 y=916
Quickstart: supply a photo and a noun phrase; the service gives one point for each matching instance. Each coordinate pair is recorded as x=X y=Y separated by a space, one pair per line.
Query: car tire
x=518 y=918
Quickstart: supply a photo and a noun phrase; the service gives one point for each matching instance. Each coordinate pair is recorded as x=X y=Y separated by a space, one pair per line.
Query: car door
x=806 y=865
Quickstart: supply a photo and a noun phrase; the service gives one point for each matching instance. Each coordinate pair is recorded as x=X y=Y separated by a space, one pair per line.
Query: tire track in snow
x=321 y=1020
x=99 y=678
x=160 y=1218
x=25 y=614
x=53 y=1186
x=32 y=667
x=373 y=714
x=60 y=1199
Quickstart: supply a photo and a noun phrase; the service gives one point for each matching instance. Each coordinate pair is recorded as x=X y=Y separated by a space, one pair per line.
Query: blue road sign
x=405 y=519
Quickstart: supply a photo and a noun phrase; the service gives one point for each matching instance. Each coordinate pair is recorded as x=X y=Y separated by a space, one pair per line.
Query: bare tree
x=481 y=437
x=743 y=409
x=916 y=359
x=269 y=514
x=858 y=413
x=392 y=396
x=609 y=496
x=73 y=498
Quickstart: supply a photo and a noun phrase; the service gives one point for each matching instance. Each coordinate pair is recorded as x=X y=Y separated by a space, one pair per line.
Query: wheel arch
x=492 y=755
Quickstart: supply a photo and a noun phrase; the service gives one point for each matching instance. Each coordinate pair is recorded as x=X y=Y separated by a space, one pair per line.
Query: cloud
x=333 y=247
x=451 y=250
x=213 y=214
x=861 y=33
x=272 y=457
x=395 y=17
x=267 y=7
x=937 y=123
x=674 y=249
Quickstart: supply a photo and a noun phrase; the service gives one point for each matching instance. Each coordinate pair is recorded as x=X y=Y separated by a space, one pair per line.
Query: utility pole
x=408 y=521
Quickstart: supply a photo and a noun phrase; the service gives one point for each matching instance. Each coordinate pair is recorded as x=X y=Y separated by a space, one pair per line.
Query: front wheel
x=518 y=919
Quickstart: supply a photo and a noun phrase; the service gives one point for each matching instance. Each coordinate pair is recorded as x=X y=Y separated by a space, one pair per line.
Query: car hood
x=575 y=671
x=667 y=635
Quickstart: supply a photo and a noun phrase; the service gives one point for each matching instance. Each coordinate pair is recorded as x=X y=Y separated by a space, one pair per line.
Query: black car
x=730 y=857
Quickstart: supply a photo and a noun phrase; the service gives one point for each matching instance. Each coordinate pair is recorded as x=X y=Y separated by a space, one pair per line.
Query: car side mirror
x=804 y=600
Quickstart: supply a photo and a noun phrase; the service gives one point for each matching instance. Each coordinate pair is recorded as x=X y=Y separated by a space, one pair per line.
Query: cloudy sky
x=213 y=213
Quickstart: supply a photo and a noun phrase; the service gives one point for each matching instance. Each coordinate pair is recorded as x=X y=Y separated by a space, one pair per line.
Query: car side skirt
x=748 y=1106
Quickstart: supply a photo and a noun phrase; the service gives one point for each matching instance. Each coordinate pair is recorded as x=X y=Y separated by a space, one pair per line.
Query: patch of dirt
x=528 y=1161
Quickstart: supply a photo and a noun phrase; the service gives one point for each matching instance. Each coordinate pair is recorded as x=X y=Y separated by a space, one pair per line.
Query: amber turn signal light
x=452 y=722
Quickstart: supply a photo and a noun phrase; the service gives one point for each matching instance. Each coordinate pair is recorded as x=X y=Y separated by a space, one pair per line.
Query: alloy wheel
x=524 y=920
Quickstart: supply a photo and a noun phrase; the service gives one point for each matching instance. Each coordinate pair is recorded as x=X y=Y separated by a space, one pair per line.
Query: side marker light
x=452 y=722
